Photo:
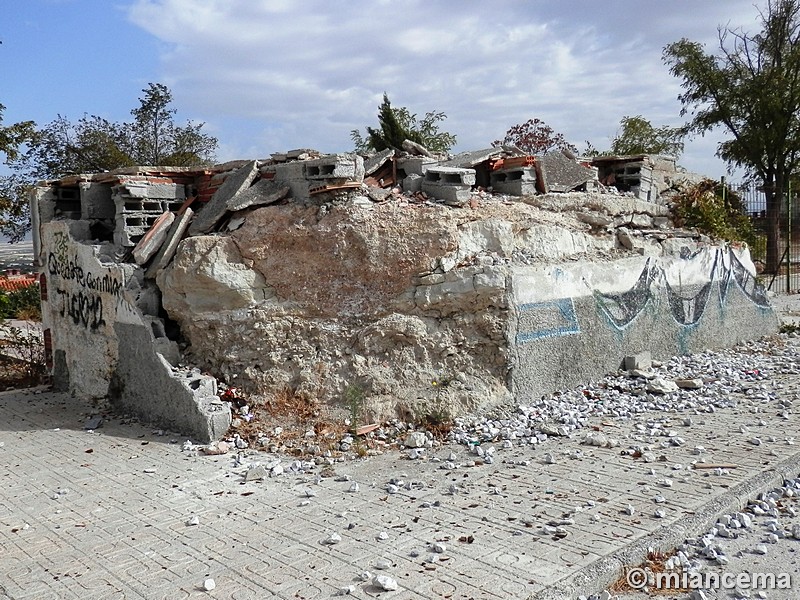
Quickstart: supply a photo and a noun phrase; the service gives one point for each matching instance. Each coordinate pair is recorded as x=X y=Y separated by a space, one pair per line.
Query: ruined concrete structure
x=435 y=286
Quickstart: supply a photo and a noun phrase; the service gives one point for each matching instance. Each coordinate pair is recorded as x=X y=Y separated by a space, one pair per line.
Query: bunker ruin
x=454 y=284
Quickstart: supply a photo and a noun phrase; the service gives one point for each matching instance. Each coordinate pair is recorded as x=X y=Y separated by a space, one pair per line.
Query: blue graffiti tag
x=555 y=317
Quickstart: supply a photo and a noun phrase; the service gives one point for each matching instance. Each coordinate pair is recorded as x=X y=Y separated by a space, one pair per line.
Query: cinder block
x=335 y=166
x=450 y=176
x=290 y=171
x=519 y=181
x=416 y=165
x=448 y=193
x=412 y=183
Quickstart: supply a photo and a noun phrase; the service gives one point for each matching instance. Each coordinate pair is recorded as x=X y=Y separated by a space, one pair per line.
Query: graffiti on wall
x=541 y=320
x=79 y=292
x=548 y=319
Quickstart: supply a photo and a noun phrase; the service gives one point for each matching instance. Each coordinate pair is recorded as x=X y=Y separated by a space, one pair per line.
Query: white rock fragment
x=629 y=510
x=209 y=585
x=346 y=591
x=333 y=538
x=194 y=520
x=415 y=439
x=689 y=384
x=354 y=487
x=439 y=547
x=658 y=385
x=384 y=582
x=415 y=453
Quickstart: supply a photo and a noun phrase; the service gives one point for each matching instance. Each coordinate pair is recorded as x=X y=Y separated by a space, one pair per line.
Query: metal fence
x=787 y=277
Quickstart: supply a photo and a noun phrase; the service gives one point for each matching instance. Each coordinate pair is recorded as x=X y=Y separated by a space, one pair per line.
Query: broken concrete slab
x=558 y=173
x=415 y=148
x=216 y=208
x=376 y=161
x=174 y=236
x=145 y=384
x=153 y=239
x=262 y=192
x=469 y=160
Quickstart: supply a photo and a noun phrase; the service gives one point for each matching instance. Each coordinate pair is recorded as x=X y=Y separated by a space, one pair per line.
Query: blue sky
x=273 y=75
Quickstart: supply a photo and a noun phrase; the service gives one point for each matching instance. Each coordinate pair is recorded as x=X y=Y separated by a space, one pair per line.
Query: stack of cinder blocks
x=139 y=201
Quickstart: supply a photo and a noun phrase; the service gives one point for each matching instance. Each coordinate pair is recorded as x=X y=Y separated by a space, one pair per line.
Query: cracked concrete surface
x=106 y=514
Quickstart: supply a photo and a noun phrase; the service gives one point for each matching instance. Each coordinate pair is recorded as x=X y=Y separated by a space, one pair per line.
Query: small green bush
x=720 y=215
x=24 y=303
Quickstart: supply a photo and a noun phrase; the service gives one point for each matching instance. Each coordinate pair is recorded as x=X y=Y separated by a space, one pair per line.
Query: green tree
x=13 y=205
x=534 y=136
x=400 y=124
x=638 y=136
x=93 y=144
x=155 y=139
x=751 y=88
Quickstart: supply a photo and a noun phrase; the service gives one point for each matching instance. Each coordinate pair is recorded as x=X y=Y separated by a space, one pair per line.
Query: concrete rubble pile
x=434 y=285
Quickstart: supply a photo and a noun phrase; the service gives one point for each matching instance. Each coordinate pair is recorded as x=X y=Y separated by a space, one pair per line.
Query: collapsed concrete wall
x=104 y=342
x=310 y=274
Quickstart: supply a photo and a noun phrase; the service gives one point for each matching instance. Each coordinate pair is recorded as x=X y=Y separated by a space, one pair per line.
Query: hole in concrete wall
x=452 y=178
x=158 y=329
x=312 y=170
x=515 y=175
x=483 y=174
x=432 y=176
x=102 y=231
x=151 y=206
x=171 y=328
x=133 y=205
x=68 y=202
x=326 y=169
x=401 y=174
x=499 y=177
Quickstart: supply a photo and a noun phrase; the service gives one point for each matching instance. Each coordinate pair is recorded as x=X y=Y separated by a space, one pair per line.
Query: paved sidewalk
x=104 y=514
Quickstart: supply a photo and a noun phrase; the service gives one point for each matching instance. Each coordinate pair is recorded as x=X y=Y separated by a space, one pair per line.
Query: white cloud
x=275 y=75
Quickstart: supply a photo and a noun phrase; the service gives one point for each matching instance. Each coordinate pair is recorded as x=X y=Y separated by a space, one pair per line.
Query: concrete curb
x=598 y=575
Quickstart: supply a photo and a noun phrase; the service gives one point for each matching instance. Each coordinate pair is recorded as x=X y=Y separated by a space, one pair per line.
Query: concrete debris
x=234 y=185
x=559 y=173
x=384 y=582
x=332 y=539
x=385 y=268
x=256 y=473
x=209 y=585
x=689 y=384
x=93 y=422
x=643 y=361
x=416 y=439
x=661 y=386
